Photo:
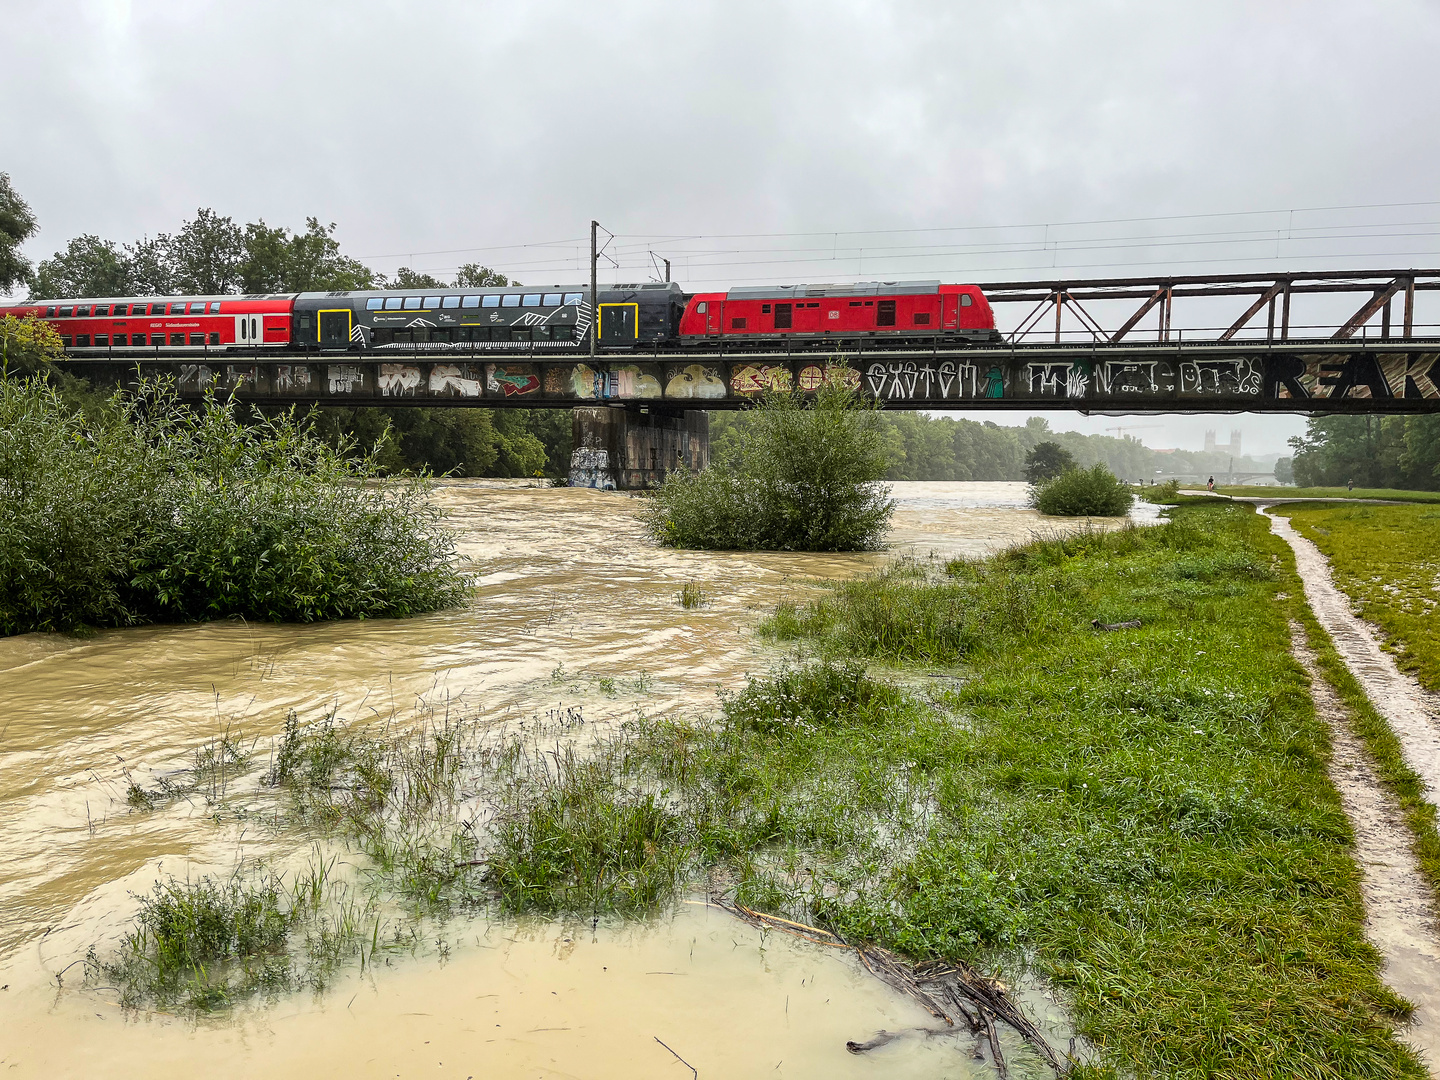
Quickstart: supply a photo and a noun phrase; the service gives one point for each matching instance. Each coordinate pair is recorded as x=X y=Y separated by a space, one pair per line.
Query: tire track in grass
x=1399 y=916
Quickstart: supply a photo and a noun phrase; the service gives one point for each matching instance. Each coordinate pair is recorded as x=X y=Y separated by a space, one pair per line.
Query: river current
x=575 y=608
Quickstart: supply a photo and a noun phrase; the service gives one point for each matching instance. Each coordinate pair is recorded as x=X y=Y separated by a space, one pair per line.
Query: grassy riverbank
x=963 y=767
x=1387 y=560
x=1277 y=492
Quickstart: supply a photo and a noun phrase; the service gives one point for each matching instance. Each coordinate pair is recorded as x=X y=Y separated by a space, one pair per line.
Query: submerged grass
x=1387 y=560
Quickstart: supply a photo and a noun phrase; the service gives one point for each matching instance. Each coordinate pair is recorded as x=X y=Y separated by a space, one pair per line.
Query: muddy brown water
x=570 y=593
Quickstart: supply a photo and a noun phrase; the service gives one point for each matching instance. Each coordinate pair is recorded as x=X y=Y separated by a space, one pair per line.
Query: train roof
x=859 y=288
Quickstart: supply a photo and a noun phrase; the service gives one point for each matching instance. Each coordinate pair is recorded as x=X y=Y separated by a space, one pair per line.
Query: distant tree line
x=211 y=254
x=1371 y=451
x=922 y=447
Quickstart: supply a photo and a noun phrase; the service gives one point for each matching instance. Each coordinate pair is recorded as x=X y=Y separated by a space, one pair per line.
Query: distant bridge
x=1076 y=344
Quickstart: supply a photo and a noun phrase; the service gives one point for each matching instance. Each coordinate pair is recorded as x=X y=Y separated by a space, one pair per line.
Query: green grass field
x=1255 y=490
x=1387 y=560
x=1145 y=813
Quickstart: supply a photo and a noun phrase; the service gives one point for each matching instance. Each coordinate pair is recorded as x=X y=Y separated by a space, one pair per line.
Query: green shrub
x=809 y=698
x=150 y=511
x=806 y=478
x=1093 y=492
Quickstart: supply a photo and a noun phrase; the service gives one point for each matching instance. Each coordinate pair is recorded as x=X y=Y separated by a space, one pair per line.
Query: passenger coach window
x=532 y=299
x=375 y=303
x=50 y=312
x=574 y=298
x=513 y=300
x=432 y=302
x=197 y=308
x=120 y=339
x=451 y=301
x=473 y=302
x=392 y=303
x=412 y=303
x=966 y=300
x=138 y=339
x=66 y=311
x=119 y=310
x=552 y=299
x=82 y=341
x=215 y=307
x=102 y=341
x=84 y=309
x=137 y=309
x=102 y=309
x=176 y=339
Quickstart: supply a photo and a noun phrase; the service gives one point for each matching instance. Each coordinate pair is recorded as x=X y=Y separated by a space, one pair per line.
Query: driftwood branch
x=951 y=991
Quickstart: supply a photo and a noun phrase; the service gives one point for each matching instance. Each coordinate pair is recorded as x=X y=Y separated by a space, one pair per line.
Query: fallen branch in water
x=949 y=990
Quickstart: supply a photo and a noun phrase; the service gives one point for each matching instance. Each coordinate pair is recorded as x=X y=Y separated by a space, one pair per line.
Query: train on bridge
x=531 y=318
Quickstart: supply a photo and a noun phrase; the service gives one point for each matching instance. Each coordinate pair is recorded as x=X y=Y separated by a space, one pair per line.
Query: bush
x=151 y=511
x=1093 y=492
x=806 y=478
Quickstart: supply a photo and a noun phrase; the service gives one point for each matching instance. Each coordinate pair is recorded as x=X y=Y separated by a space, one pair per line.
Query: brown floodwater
x=575 y=608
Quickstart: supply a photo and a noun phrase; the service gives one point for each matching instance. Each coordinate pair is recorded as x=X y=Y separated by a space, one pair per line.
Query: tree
x=17 y=224
x=205 y=255
x=88 y=266
x=405 y=278
x=1285 y=470
x=475 y=276
x=805 y=478
x=1046 y=460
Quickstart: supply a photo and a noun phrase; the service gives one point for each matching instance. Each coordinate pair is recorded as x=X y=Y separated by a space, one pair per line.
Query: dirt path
x=1399 y=919
x=1412 y=712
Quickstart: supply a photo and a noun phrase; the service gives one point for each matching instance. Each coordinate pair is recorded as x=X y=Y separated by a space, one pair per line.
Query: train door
x=335 y=328
x=950 y=317
x=249 y=330
x=807 y=317
x=619 y=324
x=714 y=316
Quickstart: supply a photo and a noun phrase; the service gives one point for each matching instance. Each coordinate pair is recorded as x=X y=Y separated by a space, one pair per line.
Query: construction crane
x=1134 y=427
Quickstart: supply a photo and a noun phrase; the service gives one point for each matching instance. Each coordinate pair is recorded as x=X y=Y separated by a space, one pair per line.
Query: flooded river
x=575 y=609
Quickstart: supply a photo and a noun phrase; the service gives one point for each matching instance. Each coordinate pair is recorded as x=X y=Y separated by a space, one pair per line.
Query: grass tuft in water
x=692 y=596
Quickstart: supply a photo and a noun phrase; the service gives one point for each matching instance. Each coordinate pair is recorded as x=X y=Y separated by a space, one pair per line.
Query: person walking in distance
x=1210 y=484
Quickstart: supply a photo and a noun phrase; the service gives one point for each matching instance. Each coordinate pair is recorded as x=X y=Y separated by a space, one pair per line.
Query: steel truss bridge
x=1228 y=343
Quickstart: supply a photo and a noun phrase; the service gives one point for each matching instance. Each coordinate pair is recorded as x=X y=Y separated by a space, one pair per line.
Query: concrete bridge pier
x=626 y=448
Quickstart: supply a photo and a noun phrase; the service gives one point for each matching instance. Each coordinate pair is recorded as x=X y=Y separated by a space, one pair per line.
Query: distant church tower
x=1232 y=448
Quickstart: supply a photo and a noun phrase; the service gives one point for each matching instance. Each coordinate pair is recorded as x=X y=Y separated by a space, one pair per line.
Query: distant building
x=1232 y=447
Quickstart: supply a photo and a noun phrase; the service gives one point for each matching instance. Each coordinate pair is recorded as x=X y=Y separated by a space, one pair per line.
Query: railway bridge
x=1229 y=343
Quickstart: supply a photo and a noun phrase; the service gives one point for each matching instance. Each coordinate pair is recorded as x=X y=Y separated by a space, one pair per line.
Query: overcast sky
x=749 y=142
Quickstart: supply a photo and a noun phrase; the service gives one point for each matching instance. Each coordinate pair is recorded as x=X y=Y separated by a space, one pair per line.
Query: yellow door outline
x=637 y=316
x=349 y=321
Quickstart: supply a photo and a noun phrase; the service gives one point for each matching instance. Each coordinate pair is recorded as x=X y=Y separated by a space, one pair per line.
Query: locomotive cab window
x=885 y=313
x=966 y=300
x=703 y=306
